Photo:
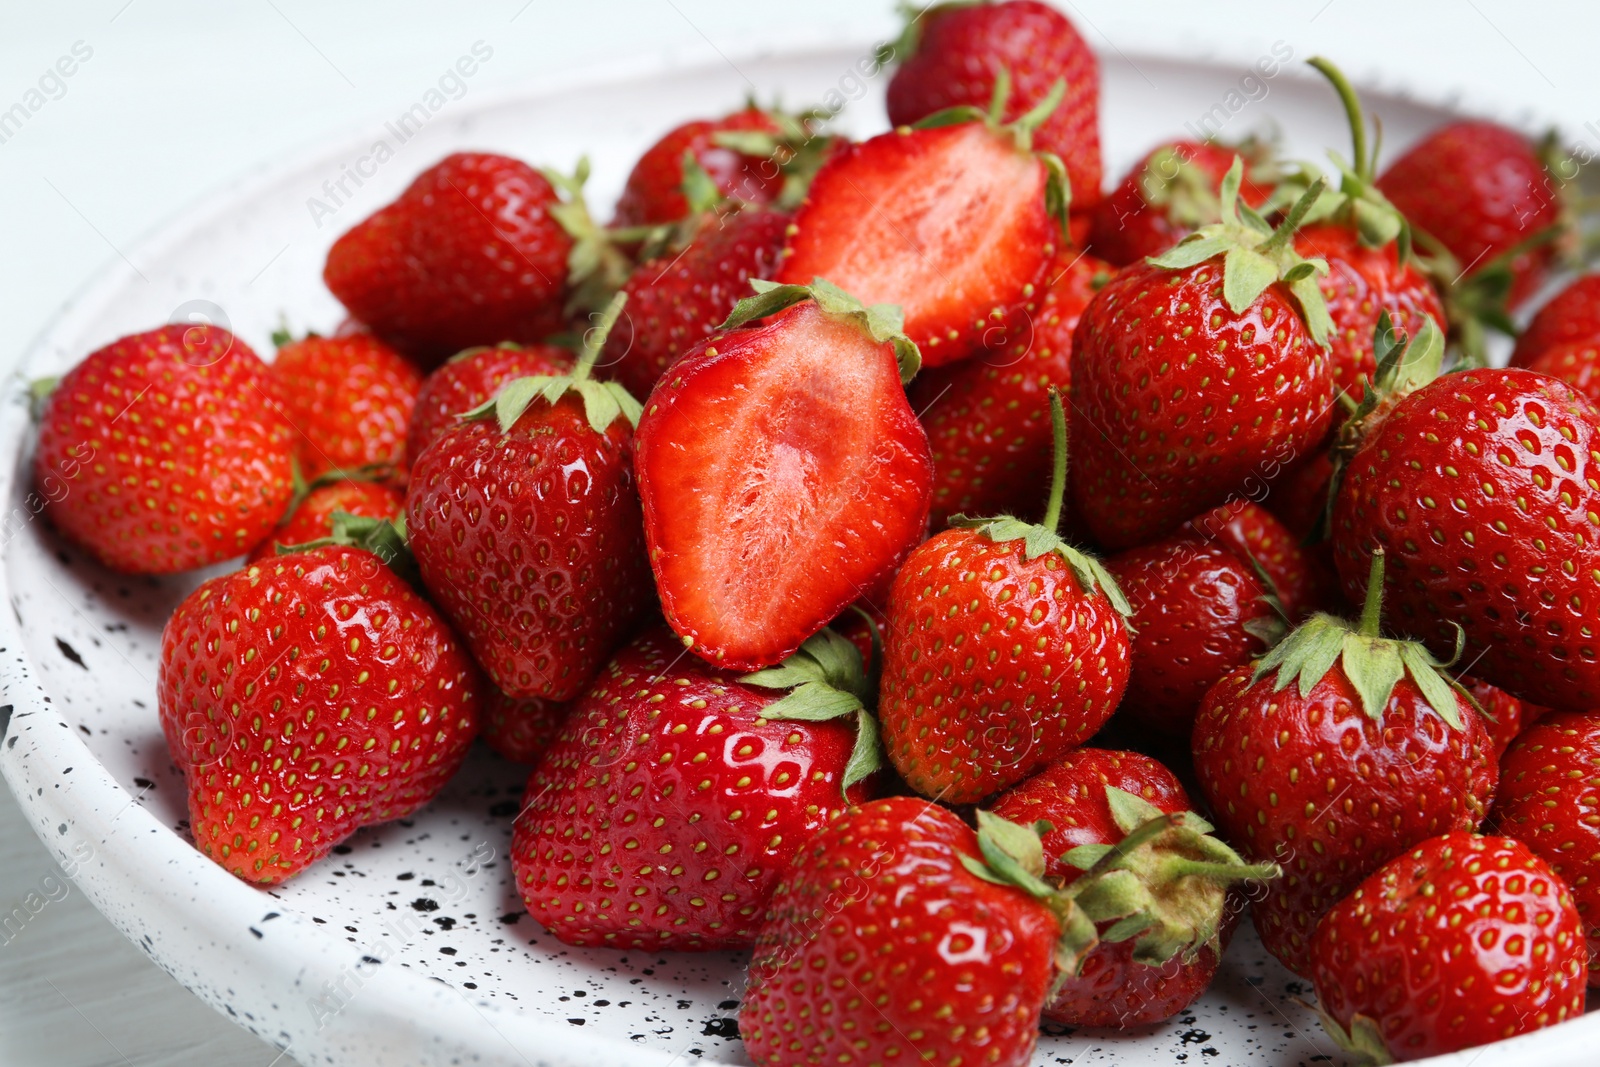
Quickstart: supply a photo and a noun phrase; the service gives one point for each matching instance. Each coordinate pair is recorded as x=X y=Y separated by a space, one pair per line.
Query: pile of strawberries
x=747 y=521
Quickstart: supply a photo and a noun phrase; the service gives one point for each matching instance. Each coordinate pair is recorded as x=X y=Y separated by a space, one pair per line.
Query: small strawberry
x=306 y=697
x=311 y=519
x=1575 y=362
x=1006 y=648
x=521 y=729
x=470 y=378
x=525 y=525
x=1462 y=941
x=1193 y=371
x=654 y=194
x=470 y=254
x=349 y=400
x=665 y=810
x=1299 y=499
x=986 y=416
x=956 y=222
x=782 y=472
x=1550 y=801
x=165 y=451
x=1302 y=582
x=1337 y=751
x=1572 y=315
x=952 y=55
x=1504 y=716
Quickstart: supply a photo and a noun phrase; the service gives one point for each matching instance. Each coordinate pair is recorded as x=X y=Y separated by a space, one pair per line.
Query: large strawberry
x=306 y=697
x=1572 y=315
x=664 y=812
x=1337 y=751
x=470 y=378
x=1006 y=649
x=1550 y=801
x=165 y=451
x=955 y=221
x=954 y=54
x=1193 y=371
x=470 y=254
x=1462 y=941
x=1480 y=486
x=311 y=517
x=525 y=525
x=782 y=472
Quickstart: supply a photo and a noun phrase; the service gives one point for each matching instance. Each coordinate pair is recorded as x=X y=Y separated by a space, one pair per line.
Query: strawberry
x=654 y=193
x=349 y=400
x=665 y=810
x=952 y=55
x=1573 y=314
x=1006 y=649
x=1337 y=751
x=782 y=472
x=521 y=730
x=526 y=528
x=306 y=697
x=680 y=297
x=470 y=254
x=1478 y=487
x=1550 y=801
x=1193 y=372
x=1301 y=581
x=1299 y=500
x=165 y=451
x=311 y=519
x=1575 y=362
x=985 y=417
x=468 y=379
x=955 y=223
x=1462 y=941
x=1504 y=716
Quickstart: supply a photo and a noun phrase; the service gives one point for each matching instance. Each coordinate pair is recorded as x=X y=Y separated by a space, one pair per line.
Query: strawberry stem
x=1058 y=471
x=1372 y=608
x=1364 y=165
x=594 y=338
x=1291 y=222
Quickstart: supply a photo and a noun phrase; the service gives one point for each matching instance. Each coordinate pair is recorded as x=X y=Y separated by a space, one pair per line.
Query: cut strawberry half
x=782 y=472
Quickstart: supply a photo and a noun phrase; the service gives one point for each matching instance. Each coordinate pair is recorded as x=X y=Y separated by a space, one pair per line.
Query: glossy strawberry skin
x=1573 y=314
x=653 y=193
x=1303 y=582
x=995 y=665
x=665 y=810
x=1480 y=189
x=530 y=542
x=1460 y=942
x=1178 y=403
x=681 y=297
x=988 y=418
x=313 y=519
x=349 y=399
x=953 y=282
x=261 y=670
x=472 y=378
x=468 y=255
x=1505 y=717
x=880 y=947
x=165 y=451
x=1550 y=801
x=1575 y=362
x=1479 y=488
x=1125 y=228
x=783 y=476
x=521 y=730
x=959 y=52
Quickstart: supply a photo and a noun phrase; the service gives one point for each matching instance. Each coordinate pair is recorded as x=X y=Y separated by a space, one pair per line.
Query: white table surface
x=177 y=97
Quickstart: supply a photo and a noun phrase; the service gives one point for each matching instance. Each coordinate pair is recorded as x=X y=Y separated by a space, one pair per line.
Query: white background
x=182 y=96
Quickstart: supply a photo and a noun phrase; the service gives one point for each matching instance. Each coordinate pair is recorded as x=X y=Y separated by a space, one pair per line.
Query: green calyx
x=603 y=402
x=1042 y=537
x=827 y=680
x=1255 y=255
x=884 y=323
x=384 y=538
x=796 y=149
x=596 y=267
x=1374 y=664
x=1362 y=1042
x=39 y=392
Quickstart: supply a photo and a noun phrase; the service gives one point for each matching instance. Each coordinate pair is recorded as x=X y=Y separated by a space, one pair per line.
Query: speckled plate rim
x=137 y=861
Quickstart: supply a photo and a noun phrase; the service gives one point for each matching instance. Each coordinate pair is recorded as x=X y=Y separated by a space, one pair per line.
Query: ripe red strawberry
x=470 y=254
x=349 y=400
x=782 y=472
x=312 y=518
x=1189 y=377
x=654 y=190
x=664 y=812
x=1575 y=362
x=1337 y=751
x=1302 y=582
x=165 y=451
x=1480 y=191
x=1299 y=499
x=527 y=532
x=1572 y=315
x=1006 y=649
x=986 y=416
x=470 y=378
x=306 y=697
x=956 y=224
x=521 y=730
x=1168 y=195
x=1478 y=486
x=952 y=54
x=1550 y=801
x=680 y=297
x=1504 y=716
x=1462 y=941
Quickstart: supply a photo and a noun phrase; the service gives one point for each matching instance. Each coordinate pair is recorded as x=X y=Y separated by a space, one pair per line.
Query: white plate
x=466 y=976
